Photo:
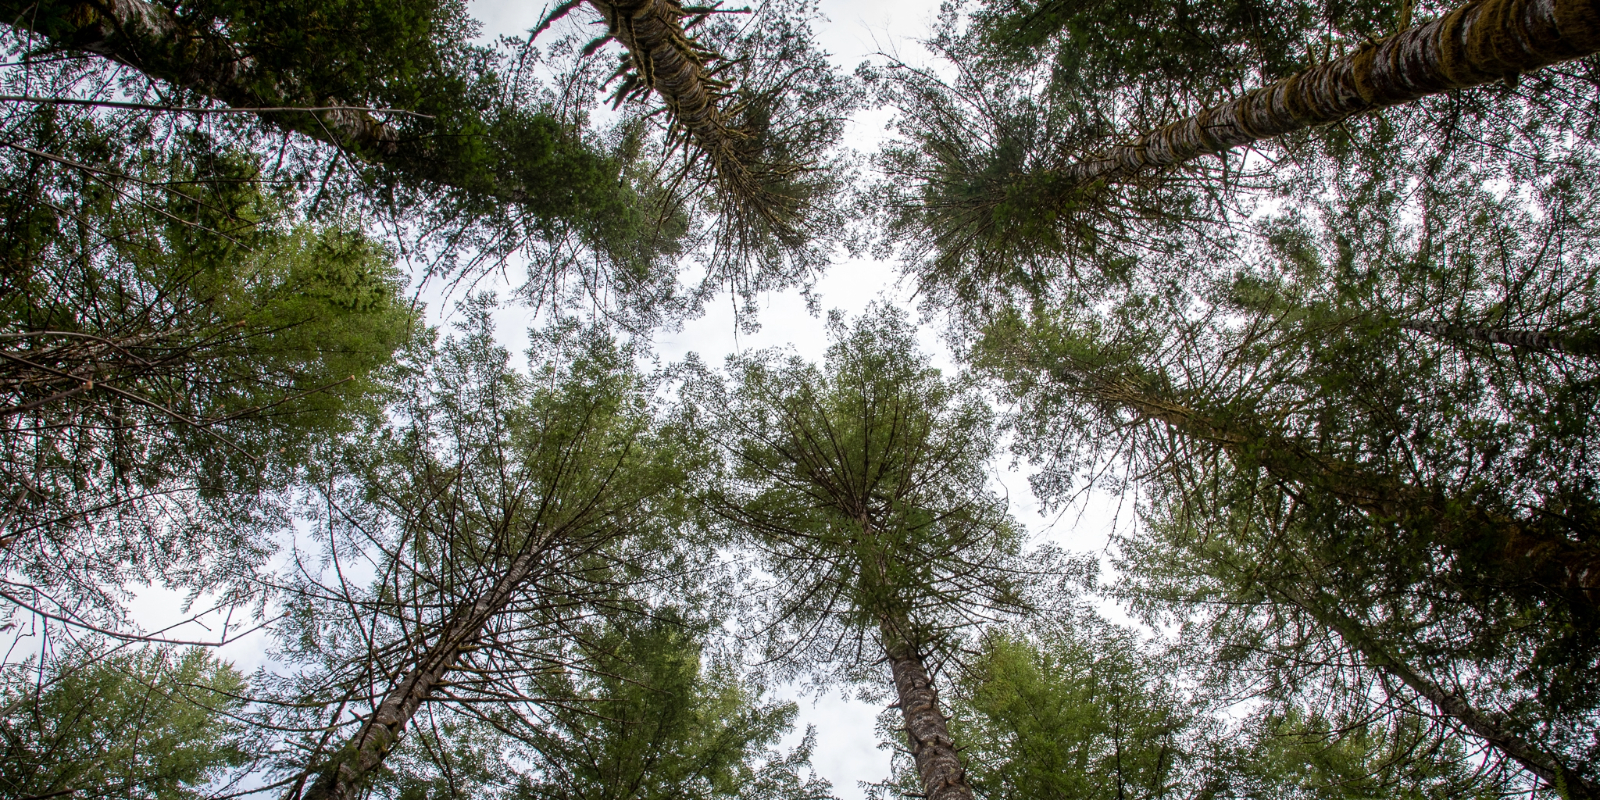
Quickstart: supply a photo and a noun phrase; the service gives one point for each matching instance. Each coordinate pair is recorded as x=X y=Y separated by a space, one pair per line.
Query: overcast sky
x=847 y=750
x=847 y=747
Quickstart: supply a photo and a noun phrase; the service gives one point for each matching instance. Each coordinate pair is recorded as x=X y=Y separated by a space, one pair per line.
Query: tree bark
x=344 y=777
x=674 y=67
x=554 y=176
x=1546 y=766
x=1514 y=548
x=927 y=732
x=151 y=39
x=1480 y=42
x=1553 y=341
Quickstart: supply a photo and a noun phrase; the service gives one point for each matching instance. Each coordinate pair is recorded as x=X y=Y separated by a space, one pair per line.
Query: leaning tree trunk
x=344 y=777
x=1552 y=341
x=927 y=732
x=1546 y=766
x=1478 y=43
x=1517 y=551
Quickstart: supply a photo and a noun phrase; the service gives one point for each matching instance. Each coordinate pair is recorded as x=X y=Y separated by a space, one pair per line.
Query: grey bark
x=927 y=731
x=1553 y=341
x=1546 y=766
x=344 y=777
x=1478 y=43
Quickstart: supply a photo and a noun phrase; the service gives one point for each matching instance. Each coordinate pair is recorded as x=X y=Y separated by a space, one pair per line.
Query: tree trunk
x=1553 y=341
x=553 y=182
x=674 y=67
x=154 y=41
x=1546 y=766
x=343 y=778
x=1478 y=43
x=927 y=731
x=1515 y=549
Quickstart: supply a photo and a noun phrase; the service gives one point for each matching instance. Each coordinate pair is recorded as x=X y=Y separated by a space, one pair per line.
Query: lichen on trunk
x=1477 y=43
x=927 y=730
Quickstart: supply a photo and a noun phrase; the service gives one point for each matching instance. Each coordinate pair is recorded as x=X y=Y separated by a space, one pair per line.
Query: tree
x=94 y=721
x=1002 y=181
x=1067 y=704
x=174 y=347
x=1456 y=576
x=497 y=514
x=1070 y=706
x=647 y=719
x=1472 y=45
x=337 y=73
x=418 y=112
x=863 y=489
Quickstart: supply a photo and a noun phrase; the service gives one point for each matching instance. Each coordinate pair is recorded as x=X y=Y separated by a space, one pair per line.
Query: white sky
x=847 y=747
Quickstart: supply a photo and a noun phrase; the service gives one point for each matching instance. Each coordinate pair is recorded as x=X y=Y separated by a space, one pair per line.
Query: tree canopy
x=1306 y=288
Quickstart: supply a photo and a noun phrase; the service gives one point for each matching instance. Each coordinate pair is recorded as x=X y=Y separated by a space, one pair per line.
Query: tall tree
x=461 y=143
x=497 y=513
x=1002 y=182
x=641 y=713
x=648 y=718
x=863 y=486
x=173 y=347
x=1067 y=704
x=1480 y=586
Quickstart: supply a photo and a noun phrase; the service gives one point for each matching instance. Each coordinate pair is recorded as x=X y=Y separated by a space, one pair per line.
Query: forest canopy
x=345 y=455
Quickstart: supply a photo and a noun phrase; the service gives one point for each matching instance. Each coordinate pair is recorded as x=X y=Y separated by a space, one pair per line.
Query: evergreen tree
x=100 y=722
x=1013 y=179
x=460 y=145
x=173 y=349
x=646 y=718
x=1069 y=705
x=498 y=512
x=1482 y=591
x=863 y=488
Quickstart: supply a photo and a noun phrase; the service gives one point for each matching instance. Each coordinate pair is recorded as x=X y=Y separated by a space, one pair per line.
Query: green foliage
x=1074 y=706
x=863 y=484
x=174 y=344
x=1078 y=709
x=647 y=719
x=1295 y=753
x=154 y=722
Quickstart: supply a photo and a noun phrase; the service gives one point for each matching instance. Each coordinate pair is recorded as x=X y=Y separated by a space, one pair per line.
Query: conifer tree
x=95 y=721
x=1066 y=704
x=499 y=512
x=862 y=486
x=648 y=717
x=174 y=347
x=459 y=144
x=1456 y=577
x=1053 y=162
